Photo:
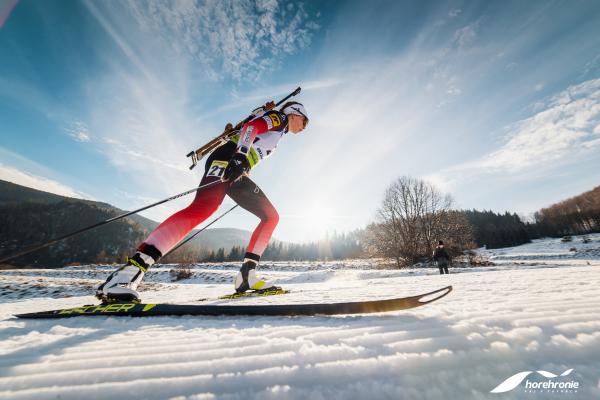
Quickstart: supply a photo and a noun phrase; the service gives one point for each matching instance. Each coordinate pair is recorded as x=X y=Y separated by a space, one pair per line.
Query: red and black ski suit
x=257 y=139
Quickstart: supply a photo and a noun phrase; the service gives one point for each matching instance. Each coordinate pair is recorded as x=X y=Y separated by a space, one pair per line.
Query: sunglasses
x=304 y=117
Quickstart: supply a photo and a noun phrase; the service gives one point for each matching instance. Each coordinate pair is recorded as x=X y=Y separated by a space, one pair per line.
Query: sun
x=318 y=220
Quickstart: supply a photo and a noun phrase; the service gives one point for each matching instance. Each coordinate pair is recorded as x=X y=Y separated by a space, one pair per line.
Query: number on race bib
x=217 y=168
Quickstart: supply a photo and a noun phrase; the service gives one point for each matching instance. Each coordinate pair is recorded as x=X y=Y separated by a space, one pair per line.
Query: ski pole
x=77 y=232
x=194 y=235
x=229 y=131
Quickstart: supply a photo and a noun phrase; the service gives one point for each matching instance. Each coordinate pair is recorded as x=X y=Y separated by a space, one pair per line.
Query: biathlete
x=226 y=173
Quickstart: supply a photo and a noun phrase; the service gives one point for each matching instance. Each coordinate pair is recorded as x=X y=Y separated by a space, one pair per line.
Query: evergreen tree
x=220 y=256
x=497 y=230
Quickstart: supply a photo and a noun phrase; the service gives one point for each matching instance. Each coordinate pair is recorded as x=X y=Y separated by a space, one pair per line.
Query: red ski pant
x=244 y=192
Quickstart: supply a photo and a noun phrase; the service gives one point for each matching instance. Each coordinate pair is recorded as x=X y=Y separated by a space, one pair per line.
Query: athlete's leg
x=121 y=285
x=174 y=228
x=249 y=196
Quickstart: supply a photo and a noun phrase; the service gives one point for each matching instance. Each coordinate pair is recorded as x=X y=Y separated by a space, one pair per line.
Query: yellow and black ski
x=274 y=291
x=143 y=310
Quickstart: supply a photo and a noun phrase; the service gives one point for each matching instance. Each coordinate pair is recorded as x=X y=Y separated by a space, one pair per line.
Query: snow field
x=524 y=314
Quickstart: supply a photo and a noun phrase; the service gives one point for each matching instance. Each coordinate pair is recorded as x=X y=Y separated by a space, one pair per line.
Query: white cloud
x=553 y=134
x=453 y=90
x=81 y=136
x=258 y=95
x=10 y=174
x=128 y=156
x=239 y=39
x=466 y=36
x=454 y=13
x=79 y=132
x=561 y=133
x=591 y=66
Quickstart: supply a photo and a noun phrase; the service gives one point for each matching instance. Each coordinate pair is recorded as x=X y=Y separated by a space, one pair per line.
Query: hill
x=577 y=215
x=29 y=217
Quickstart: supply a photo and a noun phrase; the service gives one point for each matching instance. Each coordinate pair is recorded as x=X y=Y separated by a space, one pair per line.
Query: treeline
x=578 y=215
x=458 y=229
x=337 y=246
x=575 y=216
x=493 y=230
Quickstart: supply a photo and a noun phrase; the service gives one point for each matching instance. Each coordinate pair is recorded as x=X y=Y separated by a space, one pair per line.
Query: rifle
x=231 y=131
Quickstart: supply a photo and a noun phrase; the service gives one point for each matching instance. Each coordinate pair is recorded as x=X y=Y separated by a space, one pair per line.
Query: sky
x=495 y=103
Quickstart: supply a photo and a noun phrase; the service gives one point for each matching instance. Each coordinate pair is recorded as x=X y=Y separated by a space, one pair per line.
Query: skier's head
x=440 y=243
x=297 y=116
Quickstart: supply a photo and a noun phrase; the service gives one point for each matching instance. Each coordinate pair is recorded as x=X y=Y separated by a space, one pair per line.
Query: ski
x=142 y=310
x=276 y=291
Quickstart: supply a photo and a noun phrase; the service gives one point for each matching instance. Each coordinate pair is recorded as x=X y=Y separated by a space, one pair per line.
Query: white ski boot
x=246 y=278
x=121 y=285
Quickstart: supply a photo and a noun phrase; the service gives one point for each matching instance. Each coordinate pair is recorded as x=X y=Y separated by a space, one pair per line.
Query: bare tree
x=576 y=215
x=412 y=217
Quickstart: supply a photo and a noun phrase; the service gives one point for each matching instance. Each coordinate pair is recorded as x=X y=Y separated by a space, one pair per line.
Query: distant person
x=226 y=173
x=442 y=258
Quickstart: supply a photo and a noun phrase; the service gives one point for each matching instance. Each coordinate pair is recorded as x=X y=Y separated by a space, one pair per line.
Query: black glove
x=236 y=167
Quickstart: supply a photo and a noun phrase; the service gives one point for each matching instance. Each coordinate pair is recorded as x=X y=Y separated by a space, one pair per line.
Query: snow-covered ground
x=537 y=308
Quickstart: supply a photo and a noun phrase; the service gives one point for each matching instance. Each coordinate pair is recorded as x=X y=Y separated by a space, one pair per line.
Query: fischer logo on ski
x=105 y=308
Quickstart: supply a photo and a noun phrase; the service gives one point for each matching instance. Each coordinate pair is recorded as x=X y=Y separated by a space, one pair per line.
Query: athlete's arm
x=239 y=164
x=249 y=132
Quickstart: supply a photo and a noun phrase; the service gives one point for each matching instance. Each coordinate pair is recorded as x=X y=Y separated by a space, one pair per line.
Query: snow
x=537 y=308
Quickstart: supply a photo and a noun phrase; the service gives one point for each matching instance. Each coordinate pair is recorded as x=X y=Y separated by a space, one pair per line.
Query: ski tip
x=435 y=295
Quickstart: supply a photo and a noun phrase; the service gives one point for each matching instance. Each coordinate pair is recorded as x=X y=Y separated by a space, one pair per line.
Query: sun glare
x=318 y=221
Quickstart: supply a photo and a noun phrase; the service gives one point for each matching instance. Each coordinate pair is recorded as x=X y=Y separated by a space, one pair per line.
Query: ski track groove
x=190 y=344
x=141 y=359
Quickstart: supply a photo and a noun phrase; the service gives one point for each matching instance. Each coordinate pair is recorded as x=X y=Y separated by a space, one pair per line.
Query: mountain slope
x=29 y=217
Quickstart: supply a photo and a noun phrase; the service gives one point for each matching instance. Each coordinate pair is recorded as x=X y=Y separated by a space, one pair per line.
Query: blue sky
x=497 y=103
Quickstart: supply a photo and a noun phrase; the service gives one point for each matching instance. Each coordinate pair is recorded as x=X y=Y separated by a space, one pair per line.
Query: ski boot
x=121 y=285
x=246 y=278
